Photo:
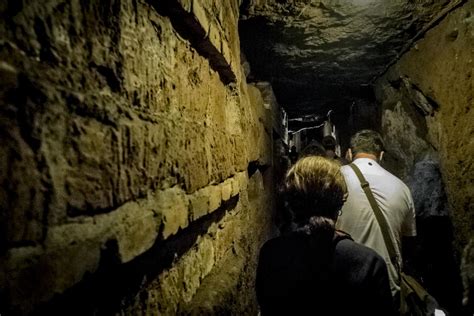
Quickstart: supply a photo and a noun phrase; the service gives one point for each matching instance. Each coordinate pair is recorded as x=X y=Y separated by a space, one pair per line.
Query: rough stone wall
x=134 y=159
x=467 y=266
x=427 y=109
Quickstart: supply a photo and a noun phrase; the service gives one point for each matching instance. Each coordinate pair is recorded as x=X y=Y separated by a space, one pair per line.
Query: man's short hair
x=367 y=141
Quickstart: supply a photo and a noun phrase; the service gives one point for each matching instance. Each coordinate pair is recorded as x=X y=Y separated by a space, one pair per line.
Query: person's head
x=313 y=149
x=331 y=154
x=366 y=142
x=315 y=187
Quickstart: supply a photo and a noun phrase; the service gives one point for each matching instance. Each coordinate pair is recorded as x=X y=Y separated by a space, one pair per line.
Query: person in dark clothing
x=317 y=270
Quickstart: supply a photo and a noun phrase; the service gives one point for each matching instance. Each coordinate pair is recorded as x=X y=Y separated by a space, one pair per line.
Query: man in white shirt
x=392 y=196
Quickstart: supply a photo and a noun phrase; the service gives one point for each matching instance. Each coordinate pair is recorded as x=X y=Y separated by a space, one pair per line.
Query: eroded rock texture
x=468 y=274
x=427 y=101
x=126 y=136
x=323 y=54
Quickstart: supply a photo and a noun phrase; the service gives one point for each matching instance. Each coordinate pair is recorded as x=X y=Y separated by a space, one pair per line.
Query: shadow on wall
x=435 y=260
x=114 y=283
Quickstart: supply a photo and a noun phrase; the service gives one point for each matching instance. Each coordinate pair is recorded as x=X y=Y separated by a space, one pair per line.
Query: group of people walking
x=336 y=260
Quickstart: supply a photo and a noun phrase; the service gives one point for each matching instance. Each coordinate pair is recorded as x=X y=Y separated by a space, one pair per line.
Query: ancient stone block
x=196 y=165
x=133 y=227
x=137 y=232
x=242 y=181
x=173 y=206
x=199 y=203
x=215 y=197
x=226 y=189
x=93 y=147
x=235 y=185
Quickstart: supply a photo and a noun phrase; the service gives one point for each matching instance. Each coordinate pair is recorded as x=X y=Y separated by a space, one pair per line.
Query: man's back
x=395 y=201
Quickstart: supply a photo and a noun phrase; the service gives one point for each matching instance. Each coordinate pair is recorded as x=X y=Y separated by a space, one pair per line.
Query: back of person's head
x=313 y=149
x=315 y=190
x=367 y=141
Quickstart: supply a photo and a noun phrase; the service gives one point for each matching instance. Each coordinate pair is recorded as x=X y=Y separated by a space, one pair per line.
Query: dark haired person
x=393 y=198
x=317 y=270
x=314 y=148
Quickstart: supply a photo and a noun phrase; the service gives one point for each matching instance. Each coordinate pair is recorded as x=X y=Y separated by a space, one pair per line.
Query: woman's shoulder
x=348 y=247
x=359 y=264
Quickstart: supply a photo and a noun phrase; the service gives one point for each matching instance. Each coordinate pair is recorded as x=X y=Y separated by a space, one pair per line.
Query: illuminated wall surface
x=138 y=157
x=127 y=133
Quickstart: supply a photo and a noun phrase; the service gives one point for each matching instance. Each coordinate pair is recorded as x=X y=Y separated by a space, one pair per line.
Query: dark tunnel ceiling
x=322 y=55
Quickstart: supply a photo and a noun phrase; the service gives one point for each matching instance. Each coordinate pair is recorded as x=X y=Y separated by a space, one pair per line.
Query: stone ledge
x=210 y=198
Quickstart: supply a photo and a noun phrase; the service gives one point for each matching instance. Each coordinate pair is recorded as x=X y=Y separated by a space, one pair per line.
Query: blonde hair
x=315 y=187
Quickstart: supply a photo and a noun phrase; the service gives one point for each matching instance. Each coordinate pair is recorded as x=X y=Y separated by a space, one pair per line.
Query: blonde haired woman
x=317 y=270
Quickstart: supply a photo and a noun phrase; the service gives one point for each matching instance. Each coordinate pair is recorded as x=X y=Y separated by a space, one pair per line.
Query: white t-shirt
x=394 y=200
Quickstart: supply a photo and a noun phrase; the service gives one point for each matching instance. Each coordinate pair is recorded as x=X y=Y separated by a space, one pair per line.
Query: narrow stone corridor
x=143 y=141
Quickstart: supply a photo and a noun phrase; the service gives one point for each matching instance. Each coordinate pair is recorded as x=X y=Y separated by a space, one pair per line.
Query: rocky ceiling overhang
x=321 y=55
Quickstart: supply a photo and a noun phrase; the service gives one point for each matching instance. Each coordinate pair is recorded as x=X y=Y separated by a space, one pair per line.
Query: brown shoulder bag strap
x=378 y=215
